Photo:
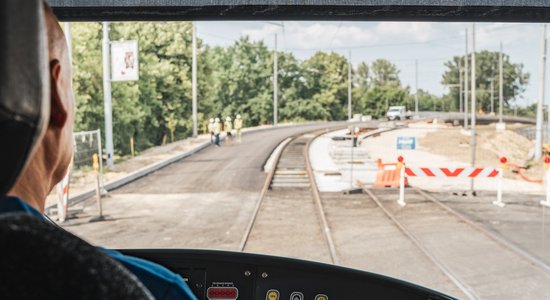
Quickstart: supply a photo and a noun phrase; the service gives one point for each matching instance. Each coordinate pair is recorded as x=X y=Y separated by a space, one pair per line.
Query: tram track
x=468 y=291
x=464 y=251
x=291 y=183
x=292 y=218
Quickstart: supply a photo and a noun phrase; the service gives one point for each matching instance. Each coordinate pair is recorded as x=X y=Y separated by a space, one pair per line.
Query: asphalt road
x=204 y=201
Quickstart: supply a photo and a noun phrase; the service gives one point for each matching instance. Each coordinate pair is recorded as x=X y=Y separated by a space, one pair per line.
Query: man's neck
x=33 y=186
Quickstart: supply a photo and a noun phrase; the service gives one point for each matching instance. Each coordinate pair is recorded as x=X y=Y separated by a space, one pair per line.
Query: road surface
x=203 y=201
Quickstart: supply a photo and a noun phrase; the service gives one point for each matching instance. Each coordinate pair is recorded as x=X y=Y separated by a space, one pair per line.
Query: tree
x=325 y=79
x=162 y=102
x=87 y=74
x=383 y=73
x=156 y=106
x=487 y=68
x=242 y=81
x=378 y=99
x=430 y=102
x=361 y=77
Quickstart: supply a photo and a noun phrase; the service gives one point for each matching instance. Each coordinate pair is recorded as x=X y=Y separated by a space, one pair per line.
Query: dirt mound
x=491 y=146
x=507 y=143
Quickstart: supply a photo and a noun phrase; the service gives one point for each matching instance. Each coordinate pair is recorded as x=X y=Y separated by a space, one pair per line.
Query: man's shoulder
x=12 y=204
x=161 y=282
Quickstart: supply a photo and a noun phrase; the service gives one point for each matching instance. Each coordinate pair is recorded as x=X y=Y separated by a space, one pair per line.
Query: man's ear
x=58 y=111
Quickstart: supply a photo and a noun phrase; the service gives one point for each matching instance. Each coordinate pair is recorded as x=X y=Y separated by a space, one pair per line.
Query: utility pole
x=460 y=85
x=538 y=133
x=416 y=87
x=194 y=80
x=275 y=88
x=107 y=94
x=466 y=83
x=69 y=38
x=492 y=96
x=501 y=86
x=349 y=88
x=473 y=125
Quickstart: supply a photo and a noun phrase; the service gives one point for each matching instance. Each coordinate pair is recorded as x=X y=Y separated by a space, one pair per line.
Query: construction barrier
x=63 y=197
x=546 y=180
x=388 y=175
x=469 y=172
x=387 y=172
x=95 y=165
x=546 y=202
x=447 y=172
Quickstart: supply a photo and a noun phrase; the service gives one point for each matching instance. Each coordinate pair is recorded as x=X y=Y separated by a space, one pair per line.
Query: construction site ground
x=206 y=200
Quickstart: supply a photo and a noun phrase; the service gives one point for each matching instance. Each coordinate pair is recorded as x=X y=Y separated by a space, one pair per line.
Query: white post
x=350 y=115
x=401 y=200
x=500 y=85
x=492 y=97
x=466 y=83
x=68 y=37
x=100 y=153
x=499 y=202
x=62 y=197
x=107 y=95
x=500 y=125
x=473 y=107
x=275 y=85
x=98 y=196
x=540 y=100
x=194 y=81
x=460 y=95
x=416 y=88
x=547 y=182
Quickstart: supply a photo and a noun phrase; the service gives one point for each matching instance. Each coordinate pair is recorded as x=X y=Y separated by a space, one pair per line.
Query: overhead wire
x=335 y=34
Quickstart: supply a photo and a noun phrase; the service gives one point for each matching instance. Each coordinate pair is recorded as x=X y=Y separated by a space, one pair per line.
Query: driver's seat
x=39 y=260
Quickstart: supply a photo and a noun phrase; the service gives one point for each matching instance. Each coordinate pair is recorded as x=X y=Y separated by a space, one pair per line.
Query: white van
x=396 y=113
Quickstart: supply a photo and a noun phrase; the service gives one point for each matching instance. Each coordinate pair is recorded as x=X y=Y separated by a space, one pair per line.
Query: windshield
x=273 y=138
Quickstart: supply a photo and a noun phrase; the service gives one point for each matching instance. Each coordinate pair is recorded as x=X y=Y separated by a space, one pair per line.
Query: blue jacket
x=161 y=282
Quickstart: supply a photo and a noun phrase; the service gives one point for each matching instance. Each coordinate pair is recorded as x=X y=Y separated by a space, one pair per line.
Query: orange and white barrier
x=388 y=175
x=468 y=172
x=447 y=172
x=546 y=202
x=63 y=197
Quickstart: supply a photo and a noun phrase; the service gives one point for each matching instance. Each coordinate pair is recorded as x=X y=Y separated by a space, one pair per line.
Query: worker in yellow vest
x=211 y=130
x=228 y=127
x=238 y=126
x=217 y=131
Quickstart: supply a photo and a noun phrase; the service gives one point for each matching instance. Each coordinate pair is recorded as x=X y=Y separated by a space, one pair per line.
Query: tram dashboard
x=221 y=275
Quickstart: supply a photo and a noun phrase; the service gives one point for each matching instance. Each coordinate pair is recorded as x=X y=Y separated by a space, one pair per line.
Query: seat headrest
x=24 y=86
x=42 y=261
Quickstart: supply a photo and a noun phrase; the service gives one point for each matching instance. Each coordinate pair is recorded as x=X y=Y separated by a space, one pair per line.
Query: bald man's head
x=57 y=44
x=49 y=163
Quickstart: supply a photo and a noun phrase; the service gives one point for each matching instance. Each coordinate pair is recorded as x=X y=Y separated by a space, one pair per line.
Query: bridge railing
x=530 y=133
x=450 y=116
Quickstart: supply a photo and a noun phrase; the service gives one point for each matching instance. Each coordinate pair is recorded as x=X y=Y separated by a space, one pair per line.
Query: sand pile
x=491 y=146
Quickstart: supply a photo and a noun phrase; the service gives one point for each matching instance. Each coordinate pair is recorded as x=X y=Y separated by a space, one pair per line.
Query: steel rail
x=314 y=190
x=263 y=192
x=468 y=291
x=503 y=242
x=318 y=203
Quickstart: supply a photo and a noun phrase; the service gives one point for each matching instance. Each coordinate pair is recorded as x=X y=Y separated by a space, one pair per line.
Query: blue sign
x=406 y=143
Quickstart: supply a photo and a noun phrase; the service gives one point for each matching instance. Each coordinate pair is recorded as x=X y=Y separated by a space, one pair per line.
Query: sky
x=432 y=44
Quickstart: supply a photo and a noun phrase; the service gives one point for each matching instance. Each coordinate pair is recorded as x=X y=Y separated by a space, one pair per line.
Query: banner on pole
x=124 y=61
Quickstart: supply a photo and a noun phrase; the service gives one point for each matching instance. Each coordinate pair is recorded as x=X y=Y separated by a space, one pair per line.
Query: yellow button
x=272 y=295
x=321 y=297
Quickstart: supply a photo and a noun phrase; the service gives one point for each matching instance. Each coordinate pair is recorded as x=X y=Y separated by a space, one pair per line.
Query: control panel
x=220 y=275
